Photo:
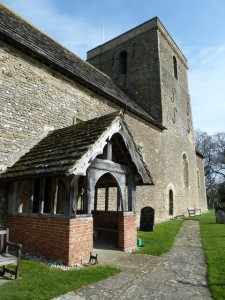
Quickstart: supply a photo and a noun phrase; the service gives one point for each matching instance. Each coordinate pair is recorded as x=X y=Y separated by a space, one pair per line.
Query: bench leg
x=3 y=269
x=12 y=272
x=17 y=270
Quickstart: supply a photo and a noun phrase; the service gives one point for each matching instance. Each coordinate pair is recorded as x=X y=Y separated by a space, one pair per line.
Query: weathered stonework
x=150 y=80
x=36 y=98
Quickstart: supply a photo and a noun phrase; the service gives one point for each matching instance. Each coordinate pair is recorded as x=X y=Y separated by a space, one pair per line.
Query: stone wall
x=178 y=139
x=142 y=79
x=36 y=98
x=151 y=81
x=201 y=184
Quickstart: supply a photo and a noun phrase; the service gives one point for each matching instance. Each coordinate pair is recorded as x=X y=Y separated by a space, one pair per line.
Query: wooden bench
x=104 y=229
x=194 y=212
x=10 y=254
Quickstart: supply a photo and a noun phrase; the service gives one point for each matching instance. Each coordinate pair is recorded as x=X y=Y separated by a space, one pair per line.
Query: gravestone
x=220 y=217
x=147 y=218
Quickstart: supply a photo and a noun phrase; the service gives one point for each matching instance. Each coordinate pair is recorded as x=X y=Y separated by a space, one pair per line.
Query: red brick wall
x=67 y=240
x=80 y=240
x=125 y=223
x=127 y=239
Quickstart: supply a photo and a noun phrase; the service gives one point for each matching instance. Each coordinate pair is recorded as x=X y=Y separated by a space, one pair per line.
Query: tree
x=220 y=155
x=221 y=192
x=213 y=150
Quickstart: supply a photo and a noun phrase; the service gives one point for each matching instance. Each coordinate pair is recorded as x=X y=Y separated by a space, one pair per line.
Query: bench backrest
x=191 y=208
x=4 y=237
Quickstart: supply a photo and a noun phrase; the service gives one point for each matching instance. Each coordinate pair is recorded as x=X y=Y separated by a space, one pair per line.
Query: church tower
x=148 y=65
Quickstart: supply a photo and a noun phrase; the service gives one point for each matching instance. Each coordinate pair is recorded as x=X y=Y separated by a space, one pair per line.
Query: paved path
x=179 y=274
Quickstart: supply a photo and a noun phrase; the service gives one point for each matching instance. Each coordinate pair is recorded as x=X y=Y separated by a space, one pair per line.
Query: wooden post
x=90 y=193
x=12 y=197
x=30 y=206
x=96 y=198
x=109 y=151
x=85 y=195
x=55 y=194
x=42 y=195
x=74 y=195
x=131 y=193
x=68 y=199
x=19 y=197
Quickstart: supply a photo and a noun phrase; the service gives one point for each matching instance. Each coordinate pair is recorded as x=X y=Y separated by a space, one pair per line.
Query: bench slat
x=105 y=229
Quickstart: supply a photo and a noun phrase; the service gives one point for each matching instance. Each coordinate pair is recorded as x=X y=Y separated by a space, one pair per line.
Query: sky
x=197 y=26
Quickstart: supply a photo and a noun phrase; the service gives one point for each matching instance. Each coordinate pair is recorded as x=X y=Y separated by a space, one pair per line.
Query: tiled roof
x=16 y=30
x=62 y=149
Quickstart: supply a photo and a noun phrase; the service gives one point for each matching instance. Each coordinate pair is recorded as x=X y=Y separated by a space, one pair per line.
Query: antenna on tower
x=103 y=34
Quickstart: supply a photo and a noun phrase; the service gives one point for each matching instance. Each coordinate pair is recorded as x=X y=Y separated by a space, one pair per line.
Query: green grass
x=213 y=242
x=161 y=239
x=40 y=281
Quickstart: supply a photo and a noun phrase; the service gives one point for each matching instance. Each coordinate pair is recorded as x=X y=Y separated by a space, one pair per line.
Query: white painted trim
x=81 y=166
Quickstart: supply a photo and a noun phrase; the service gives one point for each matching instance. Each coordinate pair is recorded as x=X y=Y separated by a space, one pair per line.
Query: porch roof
x=71 y=150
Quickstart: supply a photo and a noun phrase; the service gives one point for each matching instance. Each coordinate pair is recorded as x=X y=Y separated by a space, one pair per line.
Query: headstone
x=220 y=206
x=220 y=217
x=147 y=218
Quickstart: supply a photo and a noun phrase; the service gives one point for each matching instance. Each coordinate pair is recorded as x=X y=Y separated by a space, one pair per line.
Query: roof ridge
x=32 y=40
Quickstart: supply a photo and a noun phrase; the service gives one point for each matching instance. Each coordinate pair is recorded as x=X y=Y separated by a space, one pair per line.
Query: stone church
x=85 y=146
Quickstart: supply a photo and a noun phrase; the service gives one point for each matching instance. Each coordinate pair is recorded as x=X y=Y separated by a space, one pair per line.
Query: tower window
x=123 y=62
x=185 y=171
x=175 y=67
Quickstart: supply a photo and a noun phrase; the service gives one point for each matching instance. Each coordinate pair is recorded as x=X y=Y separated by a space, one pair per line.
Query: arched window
x=123 y=62
x=185 y=170
x=175 y=73
x=170 y=202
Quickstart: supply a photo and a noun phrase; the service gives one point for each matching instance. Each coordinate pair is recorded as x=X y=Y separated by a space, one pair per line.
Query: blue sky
x=197 y=26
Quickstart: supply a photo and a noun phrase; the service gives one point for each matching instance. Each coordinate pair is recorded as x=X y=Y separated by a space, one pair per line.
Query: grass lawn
x=40 y=281
x=213 y=242
x=161 y=239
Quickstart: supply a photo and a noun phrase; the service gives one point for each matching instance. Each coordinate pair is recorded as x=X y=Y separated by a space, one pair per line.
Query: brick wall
x=124 y=223
x=127 y=239
x=66 y=240
x=80 y=240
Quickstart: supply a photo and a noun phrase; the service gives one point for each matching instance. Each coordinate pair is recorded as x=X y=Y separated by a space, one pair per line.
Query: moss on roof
x=62 y=149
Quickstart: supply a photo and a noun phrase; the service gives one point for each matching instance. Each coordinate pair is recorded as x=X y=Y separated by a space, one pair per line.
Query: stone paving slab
x=177 y=275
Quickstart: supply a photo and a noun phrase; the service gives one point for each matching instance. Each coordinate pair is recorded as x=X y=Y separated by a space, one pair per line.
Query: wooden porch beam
x=110 y=166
